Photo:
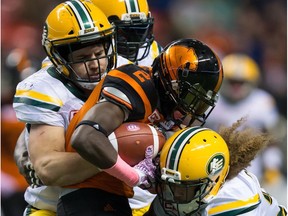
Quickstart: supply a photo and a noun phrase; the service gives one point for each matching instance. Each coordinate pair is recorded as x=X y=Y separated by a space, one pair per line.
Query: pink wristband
x=124 y=172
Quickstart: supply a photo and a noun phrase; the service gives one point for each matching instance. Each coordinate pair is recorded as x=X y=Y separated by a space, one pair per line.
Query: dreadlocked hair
x=244 y=145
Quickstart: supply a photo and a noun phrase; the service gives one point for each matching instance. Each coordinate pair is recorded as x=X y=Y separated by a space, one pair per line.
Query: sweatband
x=95 y=125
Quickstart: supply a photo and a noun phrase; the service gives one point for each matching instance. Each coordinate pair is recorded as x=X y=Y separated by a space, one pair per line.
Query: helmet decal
x=215 y=164
x=181 y=55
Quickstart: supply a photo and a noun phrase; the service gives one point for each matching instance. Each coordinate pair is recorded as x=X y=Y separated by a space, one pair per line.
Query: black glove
x=26 y=169
x=30 y=175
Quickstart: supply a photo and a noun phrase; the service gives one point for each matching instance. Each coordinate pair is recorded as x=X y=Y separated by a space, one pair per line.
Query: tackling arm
x=21 y=158
x=52 y=164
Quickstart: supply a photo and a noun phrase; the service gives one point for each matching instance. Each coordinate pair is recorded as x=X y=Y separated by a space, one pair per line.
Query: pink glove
x=146 y=169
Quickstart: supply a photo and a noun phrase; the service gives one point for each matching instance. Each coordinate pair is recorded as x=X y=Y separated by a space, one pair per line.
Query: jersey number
x=142 y=76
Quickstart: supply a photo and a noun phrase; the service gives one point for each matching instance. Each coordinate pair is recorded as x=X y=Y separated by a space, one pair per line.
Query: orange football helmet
x=189 y=75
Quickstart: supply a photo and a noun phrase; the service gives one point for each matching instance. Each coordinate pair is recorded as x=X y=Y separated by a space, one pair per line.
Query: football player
x=134 y=27
x=196 y=177
x=193 y=161
x=186 y=79
x=241 y=194
x=135 y=41
x=79 y=41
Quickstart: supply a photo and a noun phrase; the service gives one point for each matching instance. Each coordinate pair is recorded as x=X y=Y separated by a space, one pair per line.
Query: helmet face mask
x=134 y=36
x=189 y=75
x=182 y=197
x=196 y=102
x=72 y=59
x=75 y=25
x=193 y=162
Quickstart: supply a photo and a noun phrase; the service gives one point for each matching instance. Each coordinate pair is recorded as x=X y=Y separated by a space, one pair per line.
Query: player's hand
x=146 y=169
x=26 y=169
x=30 y=175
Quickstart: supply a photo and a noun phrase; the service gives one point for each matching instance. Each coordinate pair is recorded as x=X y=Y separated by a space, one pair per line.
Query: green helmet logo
x=215 y=164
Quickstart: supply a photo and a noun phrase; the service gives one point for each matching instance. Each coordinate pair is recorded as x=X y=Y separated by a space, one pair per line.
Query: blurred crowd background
x=257 y=28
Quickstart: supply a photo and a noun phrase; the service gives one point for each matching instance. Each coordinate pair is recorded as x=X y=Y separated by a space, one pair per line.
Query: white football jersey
x=243 y=196
x=45 y=97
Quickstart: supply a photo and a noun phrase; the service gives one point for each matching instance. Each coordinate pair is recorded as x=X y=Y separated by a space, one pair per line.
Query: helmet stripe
x=81 y=14
x=132 y=6
x=178 y=145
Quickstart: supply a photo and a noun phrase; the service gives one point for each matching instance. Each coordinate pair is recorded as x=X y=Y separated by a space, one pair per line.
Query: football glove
x=146 y=169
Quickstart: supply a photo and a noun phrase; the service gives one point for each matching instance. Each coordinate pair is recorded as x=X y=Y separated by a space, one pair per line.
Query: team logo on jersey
x=215 y=164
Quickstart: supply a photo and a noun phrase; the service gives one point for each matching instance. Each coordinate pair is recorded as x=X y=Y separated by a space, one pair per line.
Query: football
x=132 y=138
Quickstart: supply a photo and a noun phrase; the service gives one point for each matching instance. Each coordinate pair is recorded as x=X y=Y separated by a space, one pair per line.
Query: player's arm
x=21 y=157
x=92 y=143
x=52 y=164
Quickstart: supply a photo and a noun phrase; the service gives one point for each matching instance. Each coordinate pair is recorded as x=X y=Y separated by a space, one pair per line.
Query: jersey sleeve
x=132 y=88
x=243 y=195
x=46 y=62
x=38 y=100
